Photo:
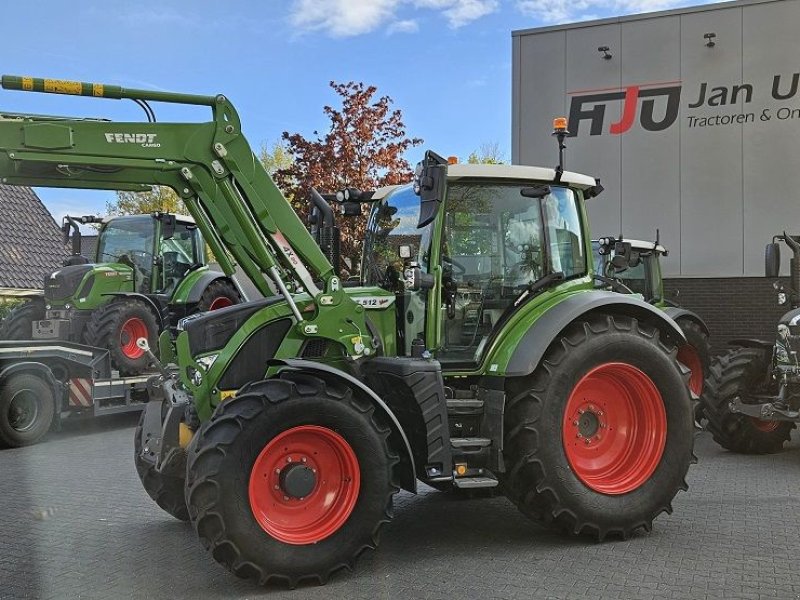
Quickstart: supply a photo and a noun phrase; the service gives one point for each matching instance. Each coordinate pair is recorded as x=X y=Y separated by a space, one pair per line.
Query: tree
x=362 y=149
x=275 y=157
x=158 y=199
x=488 y=154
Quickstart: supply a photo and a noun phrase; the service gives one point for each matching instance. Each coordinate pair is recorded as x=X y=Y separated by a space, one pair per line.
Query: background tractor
x=149 y=271
x=475 y=351
x=638 y=268
x=752 y=396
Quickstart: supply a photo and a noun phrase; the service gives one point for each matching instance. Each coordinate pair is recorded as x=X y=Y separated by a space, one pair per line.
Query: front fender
x=534 y=343
x=409 y=473
x=142 y=298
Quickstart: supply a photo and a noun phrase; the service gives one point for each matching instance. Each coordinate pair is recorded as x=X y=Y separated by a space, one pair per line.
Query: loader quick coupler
x=160 y=441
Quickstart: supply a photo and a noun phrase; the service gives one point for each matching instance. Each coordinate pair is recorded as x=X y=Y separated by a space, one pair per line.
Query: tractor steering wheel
x=460 y=269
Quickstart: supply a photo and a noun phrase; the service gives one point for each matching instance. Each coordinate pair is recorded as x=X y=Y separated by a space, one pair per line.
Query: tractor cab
x=499 y=233
x=160 y=249
x=634 y=263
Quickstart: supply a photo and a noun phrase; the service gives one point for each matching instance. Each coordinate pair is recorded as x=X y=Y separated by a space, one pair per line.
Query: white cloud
x=405 y=26
x=344 y=18
x=560 y=11
x=341 y=18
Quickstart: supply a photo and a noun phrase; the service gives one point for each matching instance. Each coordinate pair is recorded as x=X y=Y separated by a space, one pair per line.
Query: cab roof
x=524 y=172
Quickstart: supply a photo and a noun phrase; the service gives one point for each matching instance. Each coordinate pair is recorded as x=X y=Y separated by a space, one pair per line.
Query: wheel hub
x=304 y=484
x=588 y=424
x=23 y=410
x=614 y=428
x=297 y=480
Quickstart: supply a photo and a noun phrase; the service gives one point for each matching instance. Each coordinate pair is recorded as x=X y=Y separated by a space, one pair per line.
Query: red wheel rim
x=133 y=329
x=688 y=355
x=325 y=463
x=614 y=428
x=764 y=426
x=220 y=302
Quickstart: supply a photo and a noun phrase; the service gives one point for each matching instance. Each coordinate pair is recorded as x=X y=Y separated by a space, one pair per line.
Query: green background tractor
x=639 y=270
x=149 y=271
x=475 y=351
x=752 y=395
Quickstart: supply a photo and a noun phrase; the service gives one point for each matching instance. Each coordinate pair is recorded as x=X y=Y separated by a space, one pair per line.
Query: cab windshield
x=393 y=223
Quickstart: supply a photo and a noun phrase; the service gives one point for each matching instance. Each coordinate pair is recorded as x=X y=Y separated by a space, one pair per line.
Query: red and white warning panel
x=80 y=392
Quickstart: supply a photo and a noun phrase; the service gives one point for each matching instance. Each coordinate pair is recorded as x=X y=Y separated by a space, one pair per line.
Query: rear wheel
x=741 y=373
x=18 y=325
x=599 y=438
x=218 y=294
x=117 y=326
x=291 y=480
x=696 y=354
x=27 y=408
x=166 y=490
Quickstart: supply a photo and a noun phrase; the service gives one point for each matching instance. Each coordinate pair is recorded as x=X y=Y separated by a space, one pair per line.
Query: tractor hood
x=70 y=282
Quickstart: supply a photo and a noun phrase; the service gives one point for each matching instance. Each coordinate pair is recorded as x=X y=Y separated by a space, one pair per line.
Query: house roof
x=30 y=240
x=89 y=246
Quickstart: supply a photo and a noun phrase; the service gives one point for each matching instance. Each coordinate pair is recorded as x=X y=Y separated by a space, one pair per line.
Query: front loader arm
x=240 y=211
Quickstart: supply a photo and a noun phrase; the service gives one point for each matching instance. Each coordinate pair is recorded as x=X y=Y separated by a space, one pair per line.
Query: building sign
x=656 y=106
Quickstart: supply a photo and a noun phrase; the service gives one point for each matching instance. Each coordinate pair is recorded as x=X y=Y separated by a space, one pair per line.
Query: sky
x=445 y=63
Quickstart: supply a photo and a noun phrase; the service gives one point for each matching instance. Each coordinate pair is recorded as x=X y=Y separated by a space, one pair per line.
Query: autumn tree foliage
x=363 y=148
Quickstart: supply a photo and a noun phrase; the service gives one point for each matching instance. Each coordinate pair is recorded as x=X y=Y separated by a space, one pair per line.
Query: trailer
x=42 y=383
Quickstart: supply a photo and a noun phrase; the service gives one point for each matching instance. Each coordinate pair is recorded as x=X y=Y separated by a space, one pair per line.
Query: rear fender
x=408 y=478
x=534 y=343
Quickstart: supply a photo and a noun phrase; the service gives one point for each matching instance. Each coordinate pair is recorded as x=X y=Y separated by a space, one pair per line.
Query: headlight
x=195 y=376
x=207 y=361
x=781 y=298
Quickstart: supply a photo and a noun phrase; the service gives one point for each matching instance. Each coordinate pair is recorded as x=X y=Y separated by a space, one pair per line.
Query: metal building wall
x=720 y=179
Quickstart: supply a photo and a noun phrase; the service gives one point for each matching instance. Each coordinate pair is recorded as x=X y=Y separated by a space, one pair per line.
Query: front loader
x=148 y=272
x=475 y=351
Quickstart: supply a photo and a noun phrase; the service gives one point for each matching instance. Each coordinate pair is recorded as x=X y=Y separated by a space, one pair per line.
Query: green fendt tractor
x=752 y=395
x=149 y=271
x=475 y=350
x=638 y=268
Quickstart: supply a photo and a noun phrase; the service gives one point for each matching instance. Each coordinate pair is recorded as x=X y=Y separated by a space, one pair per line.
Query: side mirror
x=623 y=256
x=429 y=185
x=772 y=260
x=168 y=223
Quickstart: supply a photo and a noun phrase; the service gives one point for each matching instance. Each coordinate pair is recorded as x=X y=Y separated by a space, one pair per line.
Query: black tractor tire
x=218 y=294
x=604 y=386
x=738 y=373
x=166 y=490
x=697 y=354
x=116 y=326
x=230 y=478
x=27 y=408
x=18 y=323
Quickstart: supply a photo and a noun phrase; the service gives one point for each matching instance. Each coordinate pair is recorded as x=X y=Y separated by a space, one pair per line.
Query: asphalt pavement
x=75 y=523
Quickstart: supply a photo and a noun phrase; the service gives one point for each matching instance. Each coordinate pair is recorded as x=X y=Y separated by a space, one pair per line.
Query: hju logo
x=659 y=108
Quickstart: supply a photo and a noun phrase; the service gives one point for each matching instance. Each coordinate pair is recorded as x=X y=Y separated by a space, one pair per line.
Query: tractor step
x=471 y=442
x=464 y=406
x=467 y=483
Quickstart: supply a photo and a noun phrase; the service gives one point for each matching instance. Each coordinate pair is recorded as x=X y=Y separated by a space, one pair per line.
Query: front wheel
x=18 y=325
x=742 y=373
x=291 y=480
x=218 y=294
x=117 y=326
x=599 y=438
x=166 y=490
